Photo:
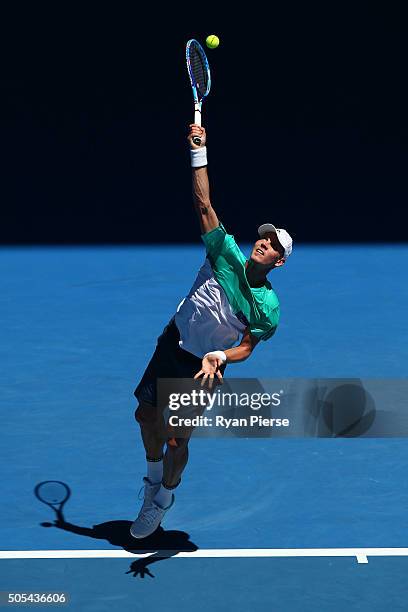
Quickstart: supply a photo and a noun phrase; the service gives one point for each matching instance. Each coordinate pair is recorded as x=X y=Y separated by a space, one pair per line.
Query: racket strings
x=199 y=71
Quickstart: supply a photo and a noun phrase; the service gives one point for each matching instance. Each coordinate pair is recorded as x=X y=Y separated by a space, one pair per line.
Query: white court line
x=361 y=554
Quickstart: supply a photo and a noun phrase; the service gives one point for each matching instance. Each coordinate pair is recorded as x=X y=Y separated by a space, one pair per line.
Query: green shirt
x=257 y=307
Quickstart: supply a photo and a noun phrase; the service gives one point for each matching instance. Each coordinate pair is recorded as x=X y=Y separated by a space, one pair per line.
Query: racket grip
x=197 y=114
x=197 y=121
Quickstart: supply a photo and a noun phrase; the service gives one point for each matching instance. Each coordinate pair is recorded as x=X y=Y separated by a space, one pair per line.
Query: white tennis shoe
x=149 y=518
x=151 y=514
x=149 y=491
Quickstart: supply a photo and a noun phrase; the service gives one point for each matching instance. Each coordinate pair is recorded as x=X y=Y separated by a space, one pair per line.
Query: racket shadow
x=162 y=544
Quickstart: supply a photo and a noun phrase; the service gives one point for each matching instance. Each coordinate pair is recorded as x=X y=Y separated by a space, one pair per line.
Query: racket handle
x=197 y=121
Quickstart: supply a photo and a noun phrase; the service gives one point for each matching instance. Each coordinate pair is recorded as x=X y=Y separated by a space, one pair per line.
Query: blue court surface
x=278 y=524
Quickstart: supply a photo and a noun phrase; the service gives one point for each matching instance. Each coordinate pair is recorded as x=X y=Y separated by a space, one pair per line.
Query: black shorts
x=168 y=361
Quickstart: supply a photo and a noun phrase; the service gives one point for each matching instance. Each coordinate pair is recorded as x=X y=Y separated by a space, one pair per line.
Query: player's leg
x=158 y=496
x=165 y=470
x=168 y=362
x=176 y=457
x=175 y=460
x=153 y=433
x=149 y=416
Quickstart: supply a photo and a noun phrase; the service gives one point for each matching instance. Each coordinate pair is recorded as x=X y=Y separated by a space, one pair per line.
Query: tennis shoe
x=149 y=519
x=149 y=491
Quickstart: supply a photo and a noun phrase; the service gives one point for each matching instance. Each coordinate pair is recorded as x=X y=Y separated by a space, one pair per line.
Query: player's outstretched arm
x=201 y=187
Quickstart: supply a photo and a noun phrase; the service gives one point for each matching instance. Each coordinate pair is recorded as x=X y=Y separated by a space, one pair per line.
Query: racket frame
x=197 y=101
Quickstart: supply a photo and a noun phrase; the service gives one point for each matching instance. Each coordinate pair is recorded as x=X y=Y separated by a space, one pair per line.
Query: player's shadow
x=162 y=544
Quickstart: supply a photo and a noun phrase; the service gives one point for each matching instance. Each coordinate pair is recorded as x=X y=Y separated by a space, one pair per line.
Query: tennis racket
x=200 y=78
x=53 y=493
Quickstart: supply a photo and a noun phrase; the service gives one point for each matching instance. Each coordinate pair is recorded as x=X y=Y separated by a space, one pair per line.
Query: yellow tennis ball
x=212 y=41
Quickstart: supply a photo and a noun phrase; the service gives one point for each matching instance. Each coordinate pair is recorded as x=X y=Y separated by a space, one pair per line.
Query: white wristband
x=198 y=157
x=220 y=354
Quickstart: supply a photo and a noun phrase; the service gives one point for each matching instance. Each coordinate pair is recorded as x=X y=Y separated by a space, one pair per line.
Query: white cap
x=283 y=237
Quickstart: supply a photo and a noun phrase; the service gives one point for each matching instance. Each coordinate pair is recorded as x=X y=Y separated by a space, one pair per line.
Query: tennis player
x=229 y=309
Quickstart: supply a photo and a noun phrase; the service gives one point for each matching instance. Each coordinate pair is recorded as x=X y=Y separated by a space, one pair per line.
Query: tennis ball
x=212 y=41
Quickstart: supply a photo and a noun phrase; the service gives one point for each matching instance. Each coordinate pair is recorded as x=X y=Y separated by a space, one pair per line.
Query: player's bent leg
x=174 y=462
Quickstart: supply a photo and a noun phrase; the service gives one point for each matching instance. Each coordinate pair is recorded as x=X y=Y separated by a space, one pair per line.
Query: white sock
x=163 y=497
x=155 y=471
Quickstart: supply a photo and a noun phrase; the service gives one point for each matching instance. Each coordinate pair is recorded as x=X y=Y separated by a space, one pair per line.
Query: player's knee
x=177 y=445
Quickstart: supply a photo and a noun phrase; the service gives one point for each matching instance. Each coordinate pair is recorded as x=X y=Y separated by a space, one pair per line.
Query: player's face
x=267 y=250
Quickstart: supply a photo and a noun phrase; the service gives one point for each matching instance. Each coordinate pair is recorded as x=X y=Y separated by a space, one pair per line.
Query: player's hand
x=209 y=369
x=196 y=130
